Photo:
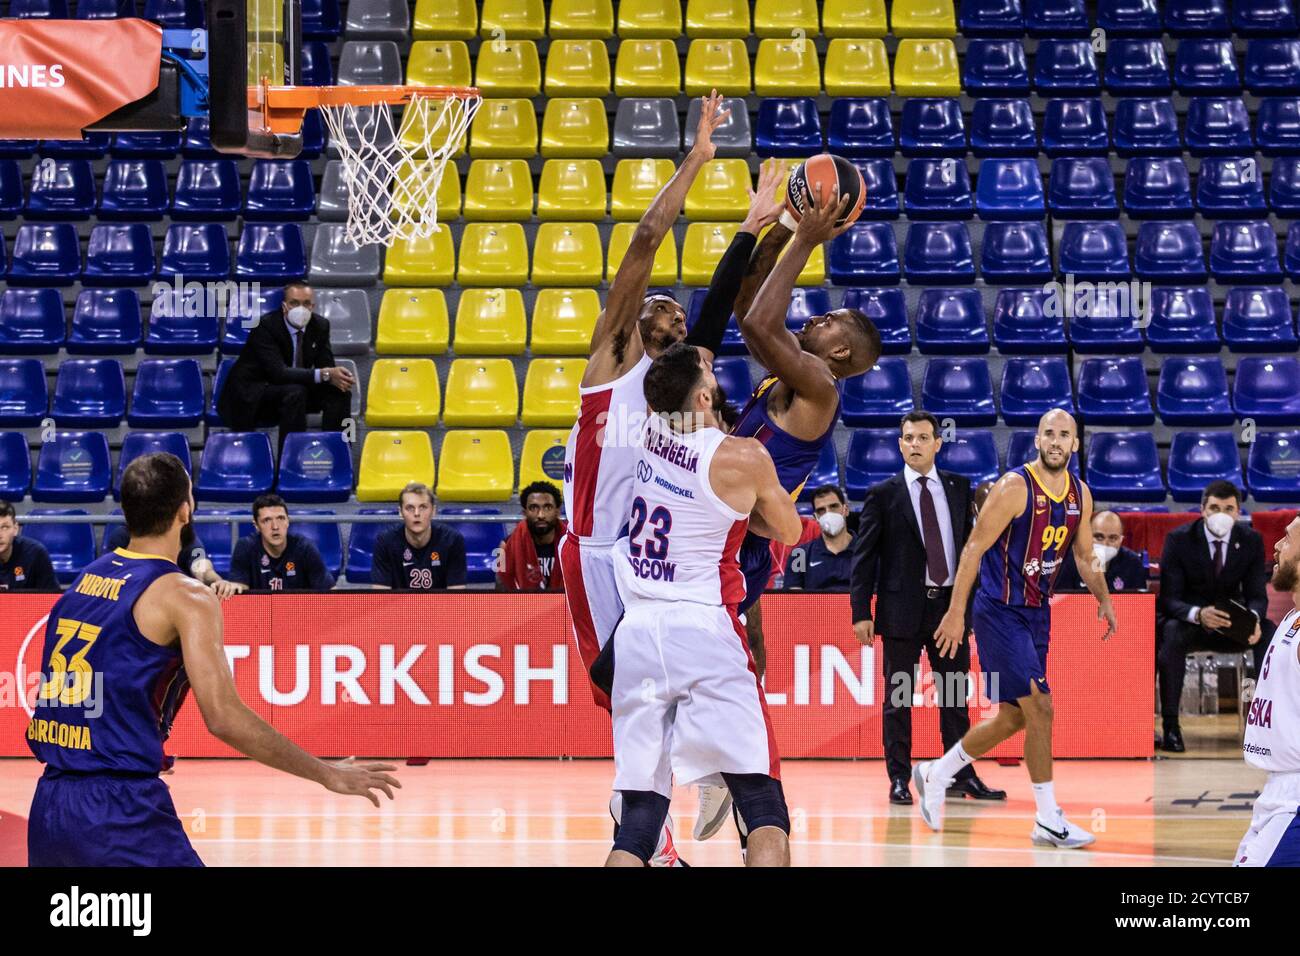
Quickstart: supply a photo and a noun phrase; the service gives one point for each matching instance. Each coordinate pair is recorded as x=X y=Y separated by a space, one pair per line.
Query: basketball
x=827 y=171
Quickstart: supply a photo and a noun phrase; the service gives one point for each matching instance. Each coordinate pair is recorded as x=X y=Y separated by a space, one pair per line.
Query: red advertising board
x=496 y=675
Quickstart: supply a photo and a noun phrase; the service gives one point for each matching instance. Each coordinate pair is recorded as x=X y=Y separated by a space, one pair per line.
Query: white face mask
x=299 y=316
x=832 y=523
x=1104 y=554
x=1220 y=524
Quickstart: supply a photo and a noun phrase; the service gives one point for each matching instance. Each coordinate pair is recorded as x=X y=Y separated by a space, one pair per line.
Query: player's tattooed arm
x=1090 y=570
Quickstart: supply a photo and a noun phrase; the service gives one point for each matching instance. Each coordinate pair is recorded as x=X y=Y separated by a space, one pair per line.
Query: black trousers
x=900 y=654
x=287 y=406
x=1178 y=638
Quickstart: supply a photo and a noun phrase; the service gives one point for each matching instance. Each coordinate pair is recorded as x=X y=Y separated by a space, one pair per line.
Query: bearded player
x=1016 y=548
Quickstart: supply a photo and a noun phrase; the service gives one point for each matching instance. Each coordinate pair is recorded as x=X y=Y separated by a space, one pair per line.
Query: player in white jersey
x=1272 y=740
x=686 y=698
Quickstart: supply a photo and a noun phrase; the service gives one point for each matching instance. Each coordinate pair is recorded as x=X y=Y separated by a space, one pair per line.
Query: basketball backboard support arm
x=182 y=91
x=230 y=78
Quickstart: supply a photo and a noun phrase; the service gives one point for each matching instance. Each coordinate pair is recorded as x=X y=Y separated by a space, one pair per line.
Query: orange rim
x=281 y=108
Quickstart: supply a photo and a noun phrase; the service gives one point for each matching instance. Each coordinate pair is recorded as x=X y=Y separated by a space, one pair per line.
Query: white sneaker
x=715 y=804
x=930 y=794
x=1061 y=833
x=666 y=851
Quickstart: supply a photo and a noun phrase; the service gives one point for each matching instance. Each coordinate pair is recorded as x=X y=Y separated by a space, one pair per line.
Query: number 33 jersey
x=683 y=541
x=1022 y=565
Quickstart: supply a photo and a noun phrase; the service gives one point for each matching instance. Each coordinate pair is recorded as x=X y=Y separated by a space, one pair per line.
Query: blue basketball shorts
x=756 y=566
x=1012 y=642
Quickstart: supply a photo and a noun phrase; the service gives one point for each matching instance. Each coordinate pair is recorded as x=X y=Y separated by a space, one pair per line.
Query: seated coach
x=1122 y=566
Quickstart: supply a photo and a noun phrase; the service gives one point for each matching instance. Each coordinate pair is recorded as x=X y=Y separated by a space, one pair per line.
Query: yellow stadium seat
x=439 y=63
x=563 y=320
x=926 y=68
x=567 y=253
x=717 y=18
x=542 y=457
x=814 y=271
x=787 y=68
x=719 y=191
x=785 y=18
x=481 y=392
x=664 y=269
x=647 y=68
x=490 y=322
x=571 y=189
x=430 y=261
x=403 y=393
x=703 y=246
x=512 y=19
x=575 y=129
x=508 y=68
x=504 y=129
x=581 y=19
x=412 y=174
x=577 y=68
x=449 y=197
x=923 y=18
x=390 y=460
x=412 y=322
x=493 y=253
x=412 y=135
x=498 y=190
x=854 y=18
x=649 y=19
x=717 y=64
x=636 y=183
x=857 y=68
x=476 y=466
x=551 y=392
x=445 y=20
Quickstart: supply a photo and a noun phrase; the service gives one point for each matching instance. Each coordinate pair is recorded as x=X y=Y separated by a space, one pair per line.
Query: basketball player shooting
x=122 y=645
x=1025 y=526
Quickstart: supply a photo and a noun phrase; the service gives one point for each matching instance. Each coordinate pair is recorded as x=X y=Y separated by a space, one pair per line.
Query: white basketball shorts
x=592 y=596
x=1274 y=835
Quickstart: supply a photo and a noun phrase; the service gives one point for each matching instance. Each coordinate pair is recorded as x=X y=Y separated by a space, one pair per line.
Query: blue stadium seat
x=90 y=146
x=1273 y=467
x=1124 y=466
x=271 y=252
x=1277 y=125
x=872 y=457
x=1230 y=188
x=825 y=472
x=860 y=127
x=15 y=467
x=788 y=127
x=937 y=189
x=1198 y=458
x=990 y=18
x=1021 y=449
x=932 y=127
x=1191 y=18
x=482 y=539
x=244 y=313
x=937 y=253
x=1081 y=188
x=73 y=467
x=134 y=189
x=280 y=190
x=882 y=188
x=1157 y=187
x=1093 y=250
x=867 y=253
x=951 y=322
x=959 y=388
x=89 y=393
x=1031 y=387
x=804 y=304
x=1061 y=18
x=1258 y=319
x=1182 y=320
x=168 y=394
x=176 y=14
x=1074 y=127
x=1129 y=18
x=1267 y=18
x=1169 y=251
x=315 y=467
x=105 y=322
x=31 y=321
x=196 y=142
x=972 y=454
x=1244 y=252
x=1147 y=127
x=1217 y=125
x=1284 y=187
x=1022 y=325
x=146 y=145
x=236 y=466
x=1010 y=189
x=1292 y=260
x=321 y=19
x=136 y=444
x=1268 y=390
x=1193 y=390
x=1105 y=323
x=361 y=543
x=879 y=397
x=71 y=546
x=212 y=417
x=732 y=341
x=62 y=189
x=995 y=68
x=24 y=395
x=1114 y=391
x=215 y=536
x=11 y=189
x=313 y=135
x=733 y=376
x=887 y=310
x=1137 y=68
x=1206 y=66
x=195 y=251
x=181 y=325
x=1015 y=252
x=45 y=254
x=1273 y=67
x=119 y=254
x=207 y=190
x=1066 y=68
x=317 y=70
x=327 y=536
x=1001 y=127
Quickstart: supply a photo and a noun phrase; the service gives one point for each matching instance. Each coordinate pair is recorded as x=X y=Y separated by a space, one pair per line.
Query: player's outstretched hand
x=766 y=202
x=1105 y=612
x=818 y=222
x=712 y=115
x=347 y=776
x=948 y=635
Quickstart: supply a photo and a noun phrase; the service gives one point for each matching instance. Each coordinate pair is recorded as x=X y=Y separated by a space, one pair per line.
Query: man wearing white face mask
x=1123 y=567
x=824 y=563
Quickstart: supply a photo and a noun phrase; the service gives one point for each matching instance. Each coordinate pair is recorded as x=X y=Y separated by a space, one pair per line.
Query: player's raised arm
x=1093 y=577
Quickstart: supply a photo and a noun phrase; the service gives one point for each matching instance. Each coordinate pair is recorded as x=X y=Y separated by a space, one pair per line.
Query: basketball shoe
x=930 y=794
x=1060 y=832
x=715 y=803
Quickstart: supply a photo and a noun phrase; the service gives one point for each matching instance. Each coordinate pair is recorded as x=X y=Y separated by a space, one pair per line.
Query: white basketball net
x=392 y=171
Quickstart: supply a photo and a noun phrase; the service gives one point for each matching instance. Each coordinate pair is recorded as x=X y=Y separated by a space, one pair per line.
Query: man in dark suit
x=1214 y=559
x=911 y=532
x=1122 y=566
x=286 y=370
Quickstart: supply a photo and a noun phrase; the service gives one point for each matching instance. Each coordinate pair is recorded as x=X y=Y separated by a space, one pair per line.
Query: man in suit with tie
x=911 y=531
x=1214 y=559
x=286 y=370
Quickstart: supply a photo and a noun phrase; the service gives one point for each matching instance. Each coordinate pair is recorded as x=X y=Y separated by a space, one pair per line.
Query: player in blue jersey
x=1025 y=528
x=121 y=647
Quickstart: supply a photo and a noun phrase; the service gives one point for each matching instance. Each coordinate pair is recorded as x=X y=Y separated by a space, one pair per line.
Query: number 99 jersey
x=1022 y=565
x=683 y=541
